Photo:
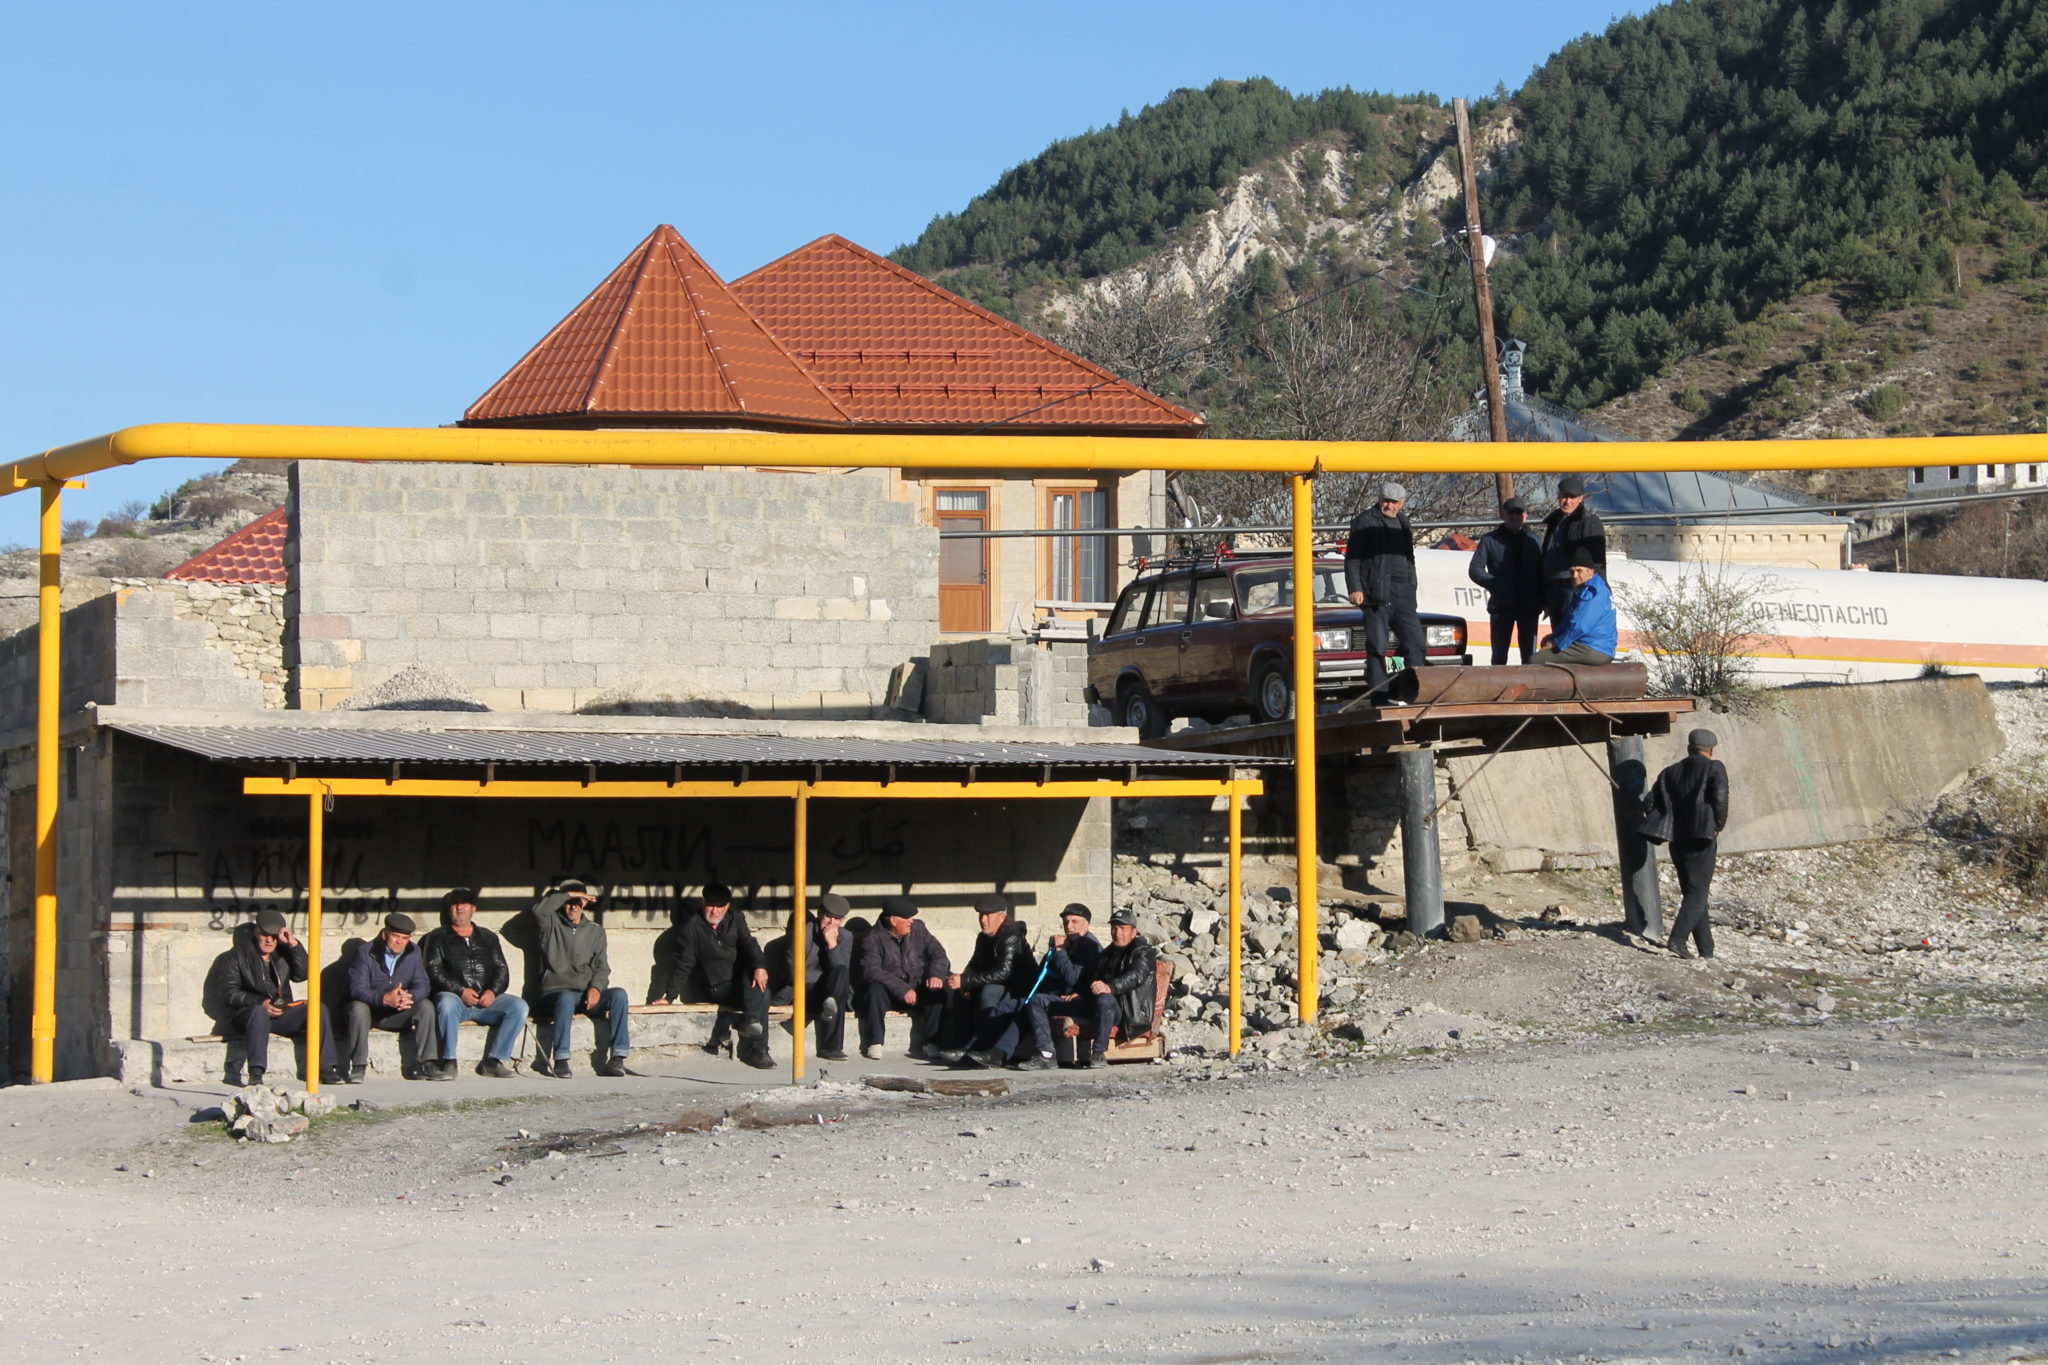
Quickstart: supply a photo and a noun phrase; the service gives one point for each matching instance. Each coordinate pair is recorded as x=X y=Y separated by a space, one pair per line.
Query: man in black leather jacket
x=1129 y=971
x=248 y=993
x=985 y=998
x=718 y=961
x=1379 y=572
x=1572 y=527
x=466 y=967
x=1693 y=795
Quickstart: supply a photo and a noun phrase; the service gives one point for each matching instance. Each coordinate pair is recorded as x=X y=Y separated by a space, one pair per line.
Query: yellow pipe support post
x=1307 y=946
x=1236 y=920
x=316 y=865
x=799 y=936
x=49 y=678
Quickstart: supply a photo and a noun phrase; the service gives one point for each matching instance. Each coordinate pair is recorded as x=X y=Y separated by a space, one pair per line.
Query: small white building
x=1939 y=480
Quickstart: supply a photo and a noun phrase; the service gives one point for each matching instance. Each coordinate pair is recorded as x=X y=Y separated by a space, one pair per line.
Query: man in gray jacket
x=576 y=978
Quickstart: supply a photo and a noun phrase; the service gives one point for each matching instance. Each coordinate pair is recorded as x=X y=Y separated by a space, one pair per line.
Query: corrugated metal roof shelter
x=356 y=757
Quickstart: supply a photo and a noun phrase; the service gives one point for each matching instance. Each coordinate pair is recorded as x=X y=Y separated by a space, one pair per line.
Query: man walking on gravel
x=1692 y=794
x=576 y=978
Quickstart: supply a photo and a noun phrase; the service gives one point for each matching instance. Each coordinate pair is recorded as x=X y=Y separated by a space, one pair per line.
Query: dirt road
x=1839 y=1192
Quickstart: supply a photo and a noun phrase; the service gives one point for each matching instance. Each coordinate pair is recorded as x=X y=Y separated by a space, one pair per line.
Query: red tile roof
x=662 y=336
x=254 y=554
x=894 y=349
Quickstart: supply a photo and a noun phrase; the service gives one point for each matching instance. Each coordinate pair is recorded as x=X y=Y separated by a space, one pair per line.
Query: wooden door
x=963 y=564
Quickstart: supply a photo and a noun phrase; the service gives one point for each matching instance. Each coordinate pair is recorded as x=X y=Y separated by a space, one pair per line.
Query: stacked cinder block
x=985 y=681
x=133 y=647
x=555 y=589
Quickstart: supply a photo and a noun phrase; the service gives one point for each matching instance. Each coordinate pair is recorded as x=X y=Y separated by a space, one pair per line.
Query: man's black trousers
x=257 y=1026
x=835 y=985
x=1519 y=626
x=1397 y=614
x=928 y=1009
x=1694 y=860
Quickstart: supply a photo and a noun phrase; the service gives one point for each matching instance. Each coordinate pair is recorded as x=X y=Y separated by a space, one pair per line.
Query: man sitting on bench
x=576 y=978
x=719 y=962
x=388 y=989
x=1075 y=955
x=249 y=993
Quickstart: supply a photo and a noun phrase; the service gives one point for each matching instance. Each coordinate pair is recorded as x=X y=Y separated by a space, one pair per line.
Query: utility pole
x=1482 y=293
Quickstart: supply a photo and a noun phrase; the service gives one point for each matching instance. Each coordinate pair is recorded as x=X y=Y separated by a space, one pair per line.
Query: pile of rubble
x=262 y=1113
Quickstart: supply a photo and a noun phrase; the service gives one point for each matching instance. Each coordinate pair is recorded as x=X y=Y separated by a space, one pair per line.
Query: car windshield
x=1273 y=589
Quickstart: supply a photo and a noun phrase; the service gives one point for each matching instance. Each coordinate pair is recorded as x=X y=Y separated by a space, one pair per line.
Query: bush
x=2014 y=812
x=1884 y=403
x=1699 y=628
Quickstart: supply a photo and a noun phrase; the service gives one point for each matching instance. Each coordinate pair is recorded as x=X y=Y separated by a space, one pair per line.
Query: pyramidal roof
x=661 y=337
x=891 y=348
x=254 y=554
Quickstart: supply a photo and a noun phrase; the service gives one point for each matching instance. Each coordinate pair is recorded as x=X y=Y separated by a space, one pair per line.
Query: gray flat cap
x=1393 y=492
x=1702 y=739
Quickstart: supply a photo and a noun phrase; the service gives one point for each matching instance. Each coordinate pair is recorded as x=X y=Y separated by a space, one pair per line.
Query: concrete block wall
x=145 y=645
x=556 y=589
x=242 y=620
x=988 y=680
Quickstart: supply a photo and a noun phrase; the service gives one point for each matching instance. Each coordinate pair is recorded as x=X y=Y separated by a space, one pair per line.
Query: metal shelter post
x=800 y=932
x=316 y=867
x=1643 y=910
x=1236 y=919
x=1422 y=865
x=49 y=676
x=1308 y=948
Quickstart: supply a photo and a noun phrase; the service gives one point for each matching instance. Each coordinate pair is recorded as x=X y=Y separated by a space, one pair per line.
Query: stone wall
x=993 y=681
x=157 y=644
x=243 y=620
x=557 y=589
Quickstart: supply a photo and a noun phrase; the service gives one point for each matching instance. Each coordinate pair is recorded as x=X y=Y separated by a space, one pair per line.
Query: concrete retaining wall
x=1818 y=765
x=549 y=589
x=156 y=644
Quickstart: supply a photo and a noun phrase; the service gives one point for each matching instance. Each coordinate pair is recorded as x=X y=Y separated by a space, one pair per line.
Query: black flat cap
x=831 y=906
x=1571 y=486
x=899 y=907
x=270 y=922
x=1582 y=558
x=1078 y=909
x=992 y=904
x=398 y=923
x=1514 y=505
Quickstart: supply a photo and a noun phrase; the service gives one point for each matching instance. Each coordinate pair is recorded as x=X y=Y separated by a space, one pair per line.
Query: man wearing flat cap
x=1508 y=563
x=1689 y=807
x=388 y=989
x=1379 y=572
x=1570 y=528
x=466 y=967
x=828 y=974
x=905 y=968
x=1591 y=634
x=576 y=978
x=248 y=993
x=719 y=962
x=987 y=995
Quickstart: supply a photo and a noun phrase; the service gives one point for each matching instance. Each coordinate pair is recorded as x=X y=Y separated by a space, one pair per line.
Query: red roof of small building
x=662 y=336
x=254 y=554
x=894 y=349
x=1456 y=540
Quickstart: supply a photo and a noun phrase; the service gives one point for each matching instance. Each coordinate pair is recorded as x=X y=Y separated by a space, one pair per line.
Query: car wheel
x=1273 y=691
x=1136 y=709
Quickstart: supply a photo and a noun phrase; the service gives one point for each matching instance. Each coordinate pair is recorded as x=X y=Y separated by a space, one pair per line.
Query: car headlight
x=1441 y=635
x=1333 y=639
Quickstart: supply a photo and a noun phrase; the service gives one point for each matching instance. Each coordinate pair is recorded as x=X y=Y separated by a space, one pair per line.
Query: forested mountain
x=1684 y=169
x=1743 y=207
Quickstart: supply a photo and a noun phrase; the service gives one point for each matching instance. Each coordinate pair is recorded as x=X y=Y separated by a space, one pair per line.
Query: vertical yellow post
x=800 y=932
x=49 y=683
x=1309 y=949
x=316 y=865
x=1236 y=920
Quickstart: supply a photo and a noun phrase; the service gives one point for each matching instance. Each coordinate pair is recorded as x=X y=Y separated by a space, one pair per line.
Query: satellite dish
x=1486 y=249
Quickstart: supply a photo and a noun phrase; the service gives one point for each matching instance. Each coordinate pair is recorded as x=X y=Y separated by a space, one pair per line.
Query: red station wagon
x=1213 y=639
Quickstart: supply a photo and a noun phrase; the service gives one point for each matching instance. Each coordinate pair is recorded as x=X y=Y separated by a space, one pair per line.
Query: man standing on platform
x=1379 y=571
x=1509 y=565
x=1573 y=527
x=1693 y=794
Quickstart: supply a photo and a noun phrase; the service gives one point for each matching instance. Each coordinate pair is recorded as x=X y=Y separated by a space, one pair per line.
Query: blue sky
x=362 y=214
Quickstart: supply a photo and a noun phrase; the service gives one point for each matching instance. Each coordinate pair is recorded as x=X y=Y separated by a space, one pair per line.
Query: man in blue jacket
x=1590 y=635
x=388 y=989
x=1075 y=954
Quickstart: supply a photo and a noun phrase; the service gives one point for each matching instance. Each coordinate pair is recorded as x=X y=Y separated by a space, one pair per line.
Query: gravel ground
x=1553 y=1143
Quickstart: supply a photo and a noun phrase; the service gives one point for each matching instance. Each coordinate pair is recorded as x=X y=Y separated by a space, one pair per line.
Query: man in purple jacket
x=388 y=989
